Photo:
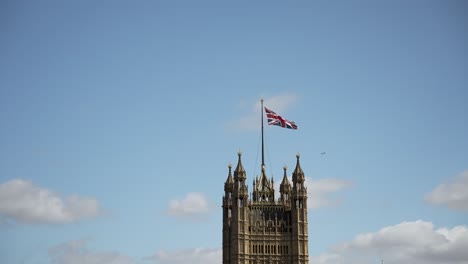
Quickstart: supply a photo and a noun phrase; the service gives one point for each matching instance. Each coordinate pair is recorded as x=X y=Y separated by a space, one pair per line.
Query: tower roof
x=239 y=172
x=263 y=184
x=298 y=174
x=229 y=181
x=285 y=186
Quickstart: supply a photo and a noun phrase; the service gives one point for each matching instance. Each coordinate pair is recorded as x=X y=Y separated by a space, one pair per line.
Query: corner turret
x=298 y=176
x=299 y=191
x=229 y=184
x=239 y=172
x=285 y=187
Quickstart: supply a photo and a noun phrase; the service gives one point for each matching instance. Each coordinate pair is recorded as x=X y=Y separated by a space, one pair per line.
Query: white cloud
x=251 y=121
x=453 y=193
x=193 y=256
x=327 y=258
x=319 y=191
x=408 y=242
x=22 y=201
x=76 y=252
x=194 y=204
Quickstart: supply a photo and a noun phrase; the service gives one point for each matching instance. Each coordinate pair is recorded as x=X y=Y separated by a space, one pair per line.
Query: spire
x=239 y=172
x=229 y=181
x=298 y=174
x=285 y=186
x=264 y=183
x=263 y=189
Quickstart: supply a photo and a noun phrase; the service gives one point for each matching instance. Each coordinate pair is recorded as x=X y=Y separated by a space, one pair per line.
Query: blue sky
x=118 y=120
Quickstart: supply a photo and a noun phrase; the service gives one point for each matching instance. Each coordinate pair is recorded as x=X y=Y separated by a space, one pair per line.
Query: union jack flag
x=274 y=119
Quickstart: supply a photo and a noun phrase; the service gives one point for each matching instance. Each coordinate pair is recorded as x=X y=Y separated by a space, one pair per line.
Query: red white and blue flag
x=274 y=119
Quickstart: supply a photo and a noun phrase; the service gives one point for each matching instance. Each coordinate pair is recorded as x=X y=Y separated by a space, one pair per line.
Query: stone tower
x=261 y=229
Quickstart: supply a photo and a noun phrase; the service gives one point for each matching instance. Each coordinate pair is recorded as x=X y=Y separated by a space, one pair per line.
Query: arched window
x=270 y=226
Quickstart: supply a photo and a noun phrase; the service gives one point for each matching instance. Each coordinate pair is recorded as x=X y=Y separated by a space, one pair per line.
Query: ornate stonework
x=261 y=229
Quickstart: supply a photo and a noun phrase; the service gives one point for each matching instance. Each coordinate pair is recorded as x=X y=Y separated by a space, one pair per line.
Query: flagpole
x=263 y=156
